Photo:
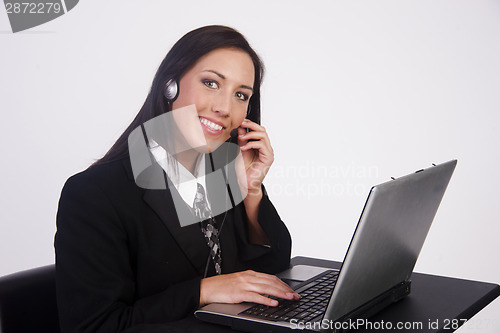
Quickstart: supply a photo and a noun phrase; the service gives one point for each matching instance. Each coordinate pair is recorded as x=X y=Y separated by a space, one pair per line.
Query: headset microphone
x=234 y=133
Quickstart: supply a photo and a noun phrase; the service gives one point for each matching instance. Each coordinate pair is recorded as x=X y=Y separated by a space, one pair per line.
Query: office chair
x=28 y=301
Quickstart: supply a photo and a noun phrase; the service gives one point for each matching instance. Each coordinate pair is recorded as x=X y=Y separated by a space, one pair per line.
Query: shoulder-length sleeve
x=95 y=275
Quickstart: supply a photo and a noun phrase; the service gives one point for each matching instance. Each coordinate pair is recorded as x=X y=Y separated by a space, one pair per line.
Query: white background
x=355 y=92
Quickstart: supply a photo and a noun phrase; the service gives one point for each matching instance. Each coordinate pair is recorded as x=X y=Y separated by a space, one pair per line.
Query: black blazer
x=123 y=259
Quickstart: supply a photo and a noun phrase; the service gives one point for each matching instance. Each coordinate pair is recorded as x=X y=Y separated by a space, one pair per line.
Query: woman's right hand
x=247 y=286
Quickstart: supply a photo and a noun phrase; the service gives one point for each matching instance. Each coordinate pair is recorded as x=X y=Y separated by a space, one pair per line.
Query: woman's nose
x=222 y=104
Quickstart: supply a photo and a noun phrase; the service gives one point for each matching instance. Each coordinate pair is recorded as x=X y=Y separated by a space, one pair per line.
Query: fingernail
x=297 y=295
x=290 y=295
x=274 y=302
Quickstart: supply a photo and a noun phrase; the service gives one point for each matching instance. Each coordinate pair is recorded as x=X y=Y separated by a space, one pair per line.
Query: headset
x=171 y=90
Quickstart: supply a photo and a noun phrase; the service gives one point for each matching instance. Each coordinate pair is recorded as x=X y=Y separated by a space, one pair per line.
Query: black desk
x=436 y=304
x=433 y=299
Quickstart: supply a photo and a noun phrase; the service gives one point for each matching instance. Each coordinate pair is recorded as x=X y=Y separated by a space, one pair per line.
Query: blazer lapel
x=190 y=238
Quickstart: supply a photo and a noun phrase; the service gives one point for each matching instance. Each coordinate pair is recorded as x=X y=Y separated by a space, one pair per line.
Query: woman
x=122 y=256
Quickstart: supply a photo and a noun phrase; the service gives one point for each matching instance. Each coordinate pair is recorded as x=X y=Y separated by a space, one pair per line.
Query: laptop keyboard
x=313 y=302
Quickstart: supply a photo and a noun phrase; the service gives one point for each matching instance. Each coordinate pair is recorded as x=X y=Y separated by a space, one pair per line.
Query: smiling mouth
x=211 y=125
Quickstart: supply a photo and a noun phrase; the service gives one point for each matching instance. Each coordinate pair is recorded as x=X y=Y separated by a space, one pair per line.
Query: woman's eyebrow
x=216 y=73
x=223 y=77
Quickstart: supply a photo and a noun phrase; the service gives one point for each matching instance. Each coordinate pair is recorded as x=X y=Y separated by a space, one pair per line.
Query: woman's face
x=220 y=85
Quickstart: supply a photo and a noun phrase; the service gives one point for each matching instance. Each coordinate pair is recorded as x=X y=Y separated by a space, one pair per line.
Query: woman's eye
x=211 y=83
x=242 y=96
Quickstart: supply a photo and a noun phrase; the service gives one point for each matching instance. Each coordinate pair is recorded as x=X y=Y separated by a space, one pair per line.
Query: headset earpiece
x=171 y=90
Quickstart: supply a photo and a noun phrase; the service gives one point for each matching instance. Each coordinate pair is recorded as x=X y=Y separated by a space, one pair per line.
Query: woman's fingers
x=275 y=291
x=241 y=133
x=256 y=131
x=256 y=136
x=247 y=123
x=266 y=156
x=260 y=299
x=248 y=286
x=265 y=283
x=274 y=279
x=260 y=286
x=257 y=152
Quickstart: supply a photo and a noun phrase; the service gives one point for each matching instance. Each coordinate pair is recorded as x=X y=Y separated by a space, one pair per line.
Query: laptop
x=375 y=272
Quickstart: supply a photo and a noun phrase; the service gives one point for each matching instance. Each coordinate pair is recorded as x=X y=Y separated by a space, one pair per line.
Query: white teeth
x=210 y=124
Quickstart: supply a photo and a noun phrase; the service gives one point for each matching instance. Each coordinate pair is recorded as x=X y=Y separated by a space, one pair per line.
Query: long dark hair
x=181 y=57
